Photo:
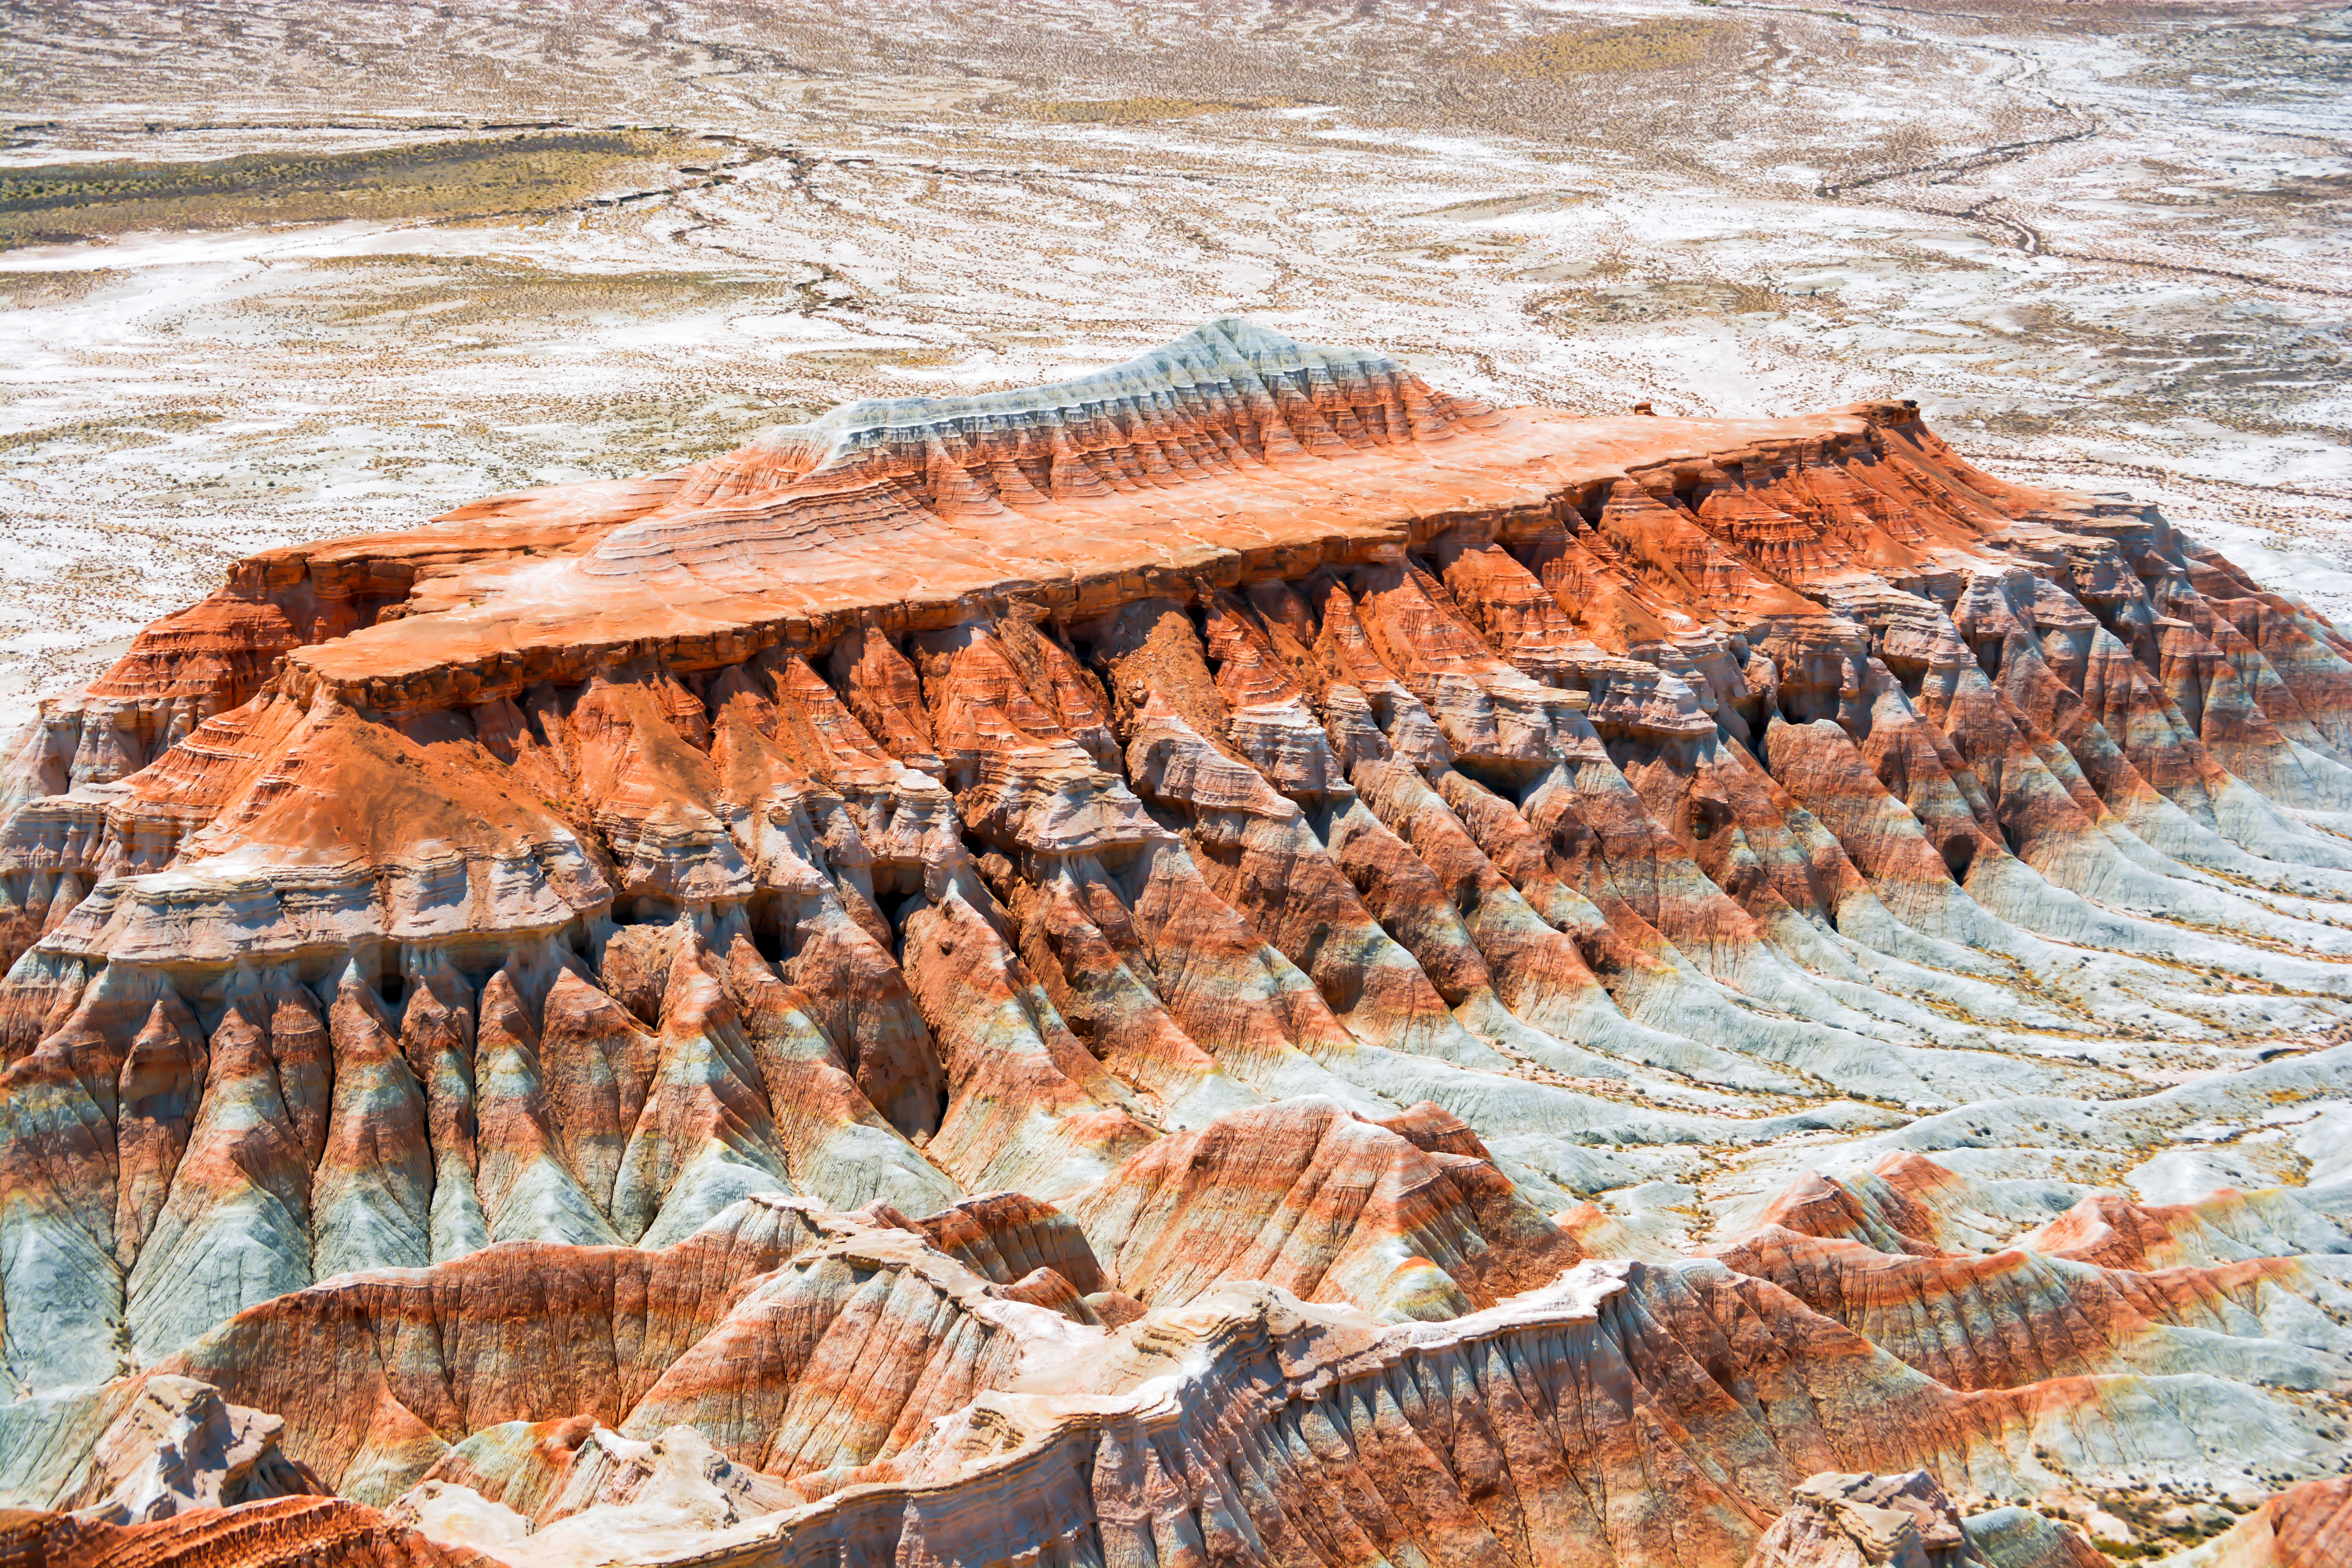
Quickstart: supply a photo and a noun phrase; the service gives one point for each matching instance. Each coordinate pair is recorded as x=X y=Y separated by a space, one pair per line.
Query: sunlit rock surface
x=1236 y=959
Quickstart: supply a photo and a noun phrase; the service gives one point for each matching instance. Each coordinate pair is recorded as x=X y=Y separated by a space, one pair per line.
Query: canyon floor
x=1238 y=919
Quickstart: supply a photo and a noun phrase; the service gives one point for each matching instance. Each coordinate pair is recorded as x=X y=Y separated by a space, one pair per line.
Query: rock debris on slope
x=1054 y=976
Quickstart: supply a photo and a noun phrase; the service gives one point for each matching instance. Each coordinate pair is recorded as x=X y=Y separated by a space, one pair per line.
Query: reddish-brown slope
x=1241 y=818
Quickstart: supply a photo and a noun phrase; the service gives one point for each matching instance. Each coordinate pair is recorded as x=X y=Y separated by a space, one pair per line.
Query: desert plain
x=893 y=783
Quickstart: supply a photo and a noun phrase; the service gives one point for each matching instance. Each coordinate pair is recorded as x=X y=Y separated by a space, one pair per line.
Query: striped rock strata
x=294 y=1532
x=1029 y=973
x=2305 y=1526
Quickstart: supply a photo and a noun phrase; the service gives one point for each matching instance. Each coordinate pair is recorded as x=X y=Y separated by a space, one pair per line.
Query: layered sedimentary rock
x=298 y=1533
x=1107 y=973
x=2305 y=1526
x=1846 y=1522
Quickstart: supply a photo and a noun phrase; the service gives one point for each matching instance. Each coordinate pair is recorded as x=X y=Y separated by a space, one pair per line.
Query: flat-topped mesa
x=1230 y=455
x=1060 y=793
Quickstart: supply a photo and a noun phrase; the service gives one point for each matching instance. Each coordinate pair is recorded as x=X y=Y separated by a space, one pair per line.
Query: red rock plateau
x=1135 y=972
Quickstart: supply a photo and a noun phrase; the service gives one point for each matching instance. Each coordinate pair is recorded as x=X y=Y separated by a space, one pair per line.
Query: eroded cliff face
x=1053 y=977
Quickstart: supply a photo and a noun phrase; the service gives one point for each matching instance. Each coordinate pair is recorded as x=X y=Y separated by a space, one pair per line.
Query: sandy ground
x=2103 y=244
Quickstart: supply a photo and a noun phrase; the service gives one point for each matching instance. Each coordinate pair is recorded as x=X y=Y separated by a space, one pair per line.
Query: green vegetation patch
x=114 y=434
x=859 y=362
x=470 y=177
x=1657 y=45
x=1137 y=110
x=504 y=298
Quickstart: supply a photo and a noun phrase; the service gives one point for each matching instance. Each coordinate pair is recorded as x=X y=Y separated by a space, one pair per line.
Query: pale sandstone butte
x=1049 y=973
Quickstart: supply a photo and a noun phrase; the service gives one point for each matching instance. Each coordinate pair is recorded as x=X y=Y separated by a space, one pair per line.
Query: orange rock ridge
x=1048 y=976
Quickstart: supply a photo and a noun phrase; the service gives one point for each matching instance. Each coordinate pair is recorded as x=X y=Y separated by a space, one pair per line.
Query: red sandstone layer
x=1070 y=958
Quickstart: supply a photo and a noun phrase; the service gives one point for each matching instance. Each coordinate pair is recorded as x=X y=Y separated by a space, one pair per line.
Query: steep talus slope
x=1141 y=969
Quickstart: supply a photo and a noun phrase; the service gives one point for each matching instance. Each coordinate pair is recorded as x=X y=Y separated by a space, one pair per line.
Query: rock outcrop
x=1154 y=969
x=1863 y=1522
x=2305 y=1526
x=295 y=1532
x=146 y=1449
